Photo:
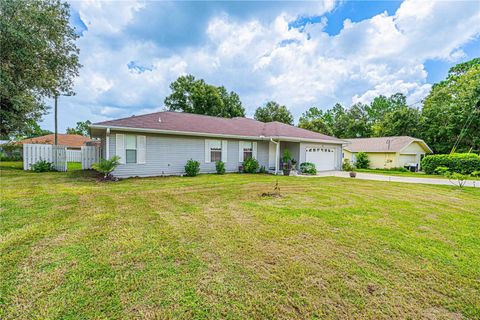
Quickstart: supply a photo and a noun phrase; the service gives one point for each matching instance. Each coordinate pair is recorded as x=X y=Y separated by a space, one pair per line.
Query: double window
x=130 y=148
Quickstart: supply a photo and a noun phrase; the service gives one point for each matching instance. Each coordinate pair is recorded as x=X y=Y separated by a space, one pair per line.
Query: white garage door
x=323 y=158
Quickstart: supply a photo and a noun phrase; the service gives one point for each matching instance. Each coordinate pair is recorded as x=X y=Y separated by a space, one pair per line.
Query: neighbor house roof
x=68 y=140
x=383 y=144
x=187 y=123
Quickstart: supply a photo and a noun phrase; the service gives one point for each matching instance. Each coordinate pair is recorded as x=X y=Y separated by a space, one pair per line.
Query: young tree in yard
x=451 y=112
x=272 y=111
x=196 y=96
x=38 y=58
x=82 y=128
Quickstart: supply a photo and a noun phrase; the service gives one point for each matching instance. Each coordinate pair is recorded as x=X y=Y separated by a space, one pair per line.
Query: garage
x=322 y=157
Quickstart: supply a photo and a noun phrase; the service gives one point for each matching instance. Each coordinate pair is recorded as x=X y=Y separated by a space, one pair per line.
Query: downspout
x=277 y=154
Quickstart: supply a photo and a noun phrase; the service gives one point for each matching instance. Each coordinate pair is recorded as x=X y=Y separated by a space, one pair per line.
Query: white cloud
x=268 y=60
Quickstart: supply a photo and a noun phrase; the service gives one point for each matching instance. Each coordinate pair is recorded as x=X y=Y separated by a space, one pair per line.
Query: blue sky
x=300 y=54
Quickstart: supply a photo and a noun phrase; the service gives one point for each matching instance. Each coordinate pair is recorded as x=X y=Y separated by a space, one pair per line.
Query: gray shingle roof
x=382 y=144
x=194 y=123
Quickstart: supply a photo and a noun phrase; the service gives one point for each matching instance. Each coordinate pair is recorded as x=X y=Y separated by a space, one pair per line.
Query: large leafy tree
x=451 y=112
x=382 y=105
x=195 y=96
x=404 y=121
x=82 y=128
x=273 y=111
x=38 y=59
x=32 y=129
x=357 y=123
x=316 y=120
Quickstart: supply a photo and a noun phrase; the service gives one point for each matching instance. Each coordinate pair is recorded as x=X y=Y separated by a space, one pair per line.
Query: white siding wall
x=168 y=154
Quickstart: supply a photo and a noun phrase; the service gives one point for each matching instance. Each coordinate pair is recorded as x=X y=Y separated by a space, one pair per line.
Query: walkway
x=381 y=177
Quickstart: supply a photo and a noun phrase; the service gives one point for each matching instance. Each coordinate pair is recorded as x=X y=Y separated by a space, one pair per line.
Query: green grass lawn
x=211 y=247
x=74 y=166
x=401 y=173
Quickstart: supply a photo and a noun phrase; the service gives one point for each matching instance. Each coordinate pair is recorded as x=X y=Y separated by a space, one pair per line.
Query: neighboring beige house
x=388 y=152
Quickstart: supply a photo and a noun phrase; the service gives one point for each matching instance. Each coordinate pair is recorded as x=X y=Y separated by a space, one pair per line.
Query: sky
x=300 y=54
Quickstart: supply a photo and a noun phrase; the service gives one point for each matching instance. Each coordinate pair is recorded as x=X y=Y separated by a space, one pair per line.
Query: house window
x=247 y=150
x=131 y=148
x=215 y=150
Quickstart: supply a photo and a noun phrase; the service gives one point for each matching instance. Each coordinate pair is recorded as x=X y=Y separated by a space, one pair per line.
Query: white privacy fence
x=89 y=155
x=59 y=156
x=74 y=155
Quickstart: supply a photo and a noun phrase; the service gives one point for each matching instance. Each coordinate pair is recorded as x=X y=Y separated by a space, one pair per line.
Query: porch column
x=107 y=144
x=277 y=156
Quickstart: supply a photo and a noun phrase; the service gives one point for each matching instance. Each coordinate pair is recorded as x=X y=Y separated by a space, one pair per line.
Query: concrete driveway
x=381 y=177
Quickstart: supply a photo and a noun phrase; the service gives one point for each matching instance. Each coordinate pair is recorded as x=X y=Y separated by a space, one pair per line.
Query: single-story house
x=161 y=143
x=388 y=152
x=71 y=141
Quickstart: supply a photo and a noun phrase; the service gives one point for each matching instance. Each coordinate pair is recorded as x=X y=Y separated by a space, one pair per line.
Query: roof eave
x=175 y=132
x=206 y=134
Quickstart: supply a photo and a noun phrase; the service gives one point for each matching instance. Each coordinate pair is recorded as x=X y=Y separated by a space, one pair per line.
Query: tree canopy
x=82 y=128
x=195 y=96
x=272 y=111
x=451 y=112
x=38 y=58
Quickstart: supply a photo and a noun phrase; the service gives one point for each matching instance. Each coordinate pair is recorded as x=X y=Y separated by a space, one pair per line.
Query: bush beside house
x=192 y=168
x=464 y=163
x=362 y=161
x=308 y=168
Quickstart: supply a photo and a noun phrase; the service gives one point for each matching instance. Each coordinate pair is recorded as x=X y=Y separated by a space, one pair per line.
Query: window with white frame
x=130 y=148
x=247 y=150
x=215 y=150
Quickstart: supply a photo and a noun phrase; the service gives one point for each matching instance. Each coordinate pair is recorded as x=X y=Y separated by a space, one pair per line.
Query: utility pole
x=56 y=120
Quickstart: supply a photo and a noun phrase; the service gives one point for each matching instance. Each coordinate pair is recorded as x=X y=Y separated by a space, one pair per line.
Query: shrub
x=192 y=168
x=464 y=163
x=106 y=166
x=11 y=152
x=308 y=168
x=250 y=165
x=220 y=167
x=475 y=174
x=13 y=157
x=362 y=161
x=43 y=166
x=286 y=156
x=262 y=170
x=346 y=166
x=442 y=170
